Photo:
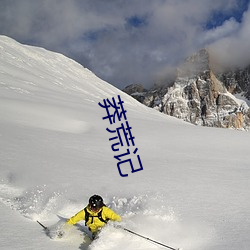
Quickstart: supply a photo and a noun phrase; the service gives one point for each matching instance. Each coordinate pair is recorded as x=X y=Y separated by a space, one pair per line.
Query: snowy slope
x=55 y=152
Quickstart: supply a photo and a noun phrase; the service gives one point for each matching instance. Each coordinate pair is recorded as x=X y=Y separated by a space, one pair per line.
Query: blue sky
x=218 y=17
x=131 y=41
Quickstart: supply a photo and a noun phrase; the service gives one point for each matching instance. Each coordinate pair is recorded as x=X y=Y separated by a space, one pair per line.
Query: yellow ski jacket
x=94 y=223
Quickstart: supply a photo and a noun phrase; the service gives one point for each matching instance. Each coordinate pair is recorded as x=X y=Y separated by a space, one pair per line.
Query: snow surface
x=55 y=152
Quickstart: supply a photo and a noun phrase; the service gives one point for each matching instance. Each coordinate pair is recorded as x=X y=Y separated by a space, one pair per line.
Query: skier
x=95 y=214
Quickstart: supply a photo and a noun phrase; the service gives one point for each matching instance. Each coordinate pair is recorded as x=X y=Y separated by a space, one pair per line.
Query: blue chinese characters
x=121 y=135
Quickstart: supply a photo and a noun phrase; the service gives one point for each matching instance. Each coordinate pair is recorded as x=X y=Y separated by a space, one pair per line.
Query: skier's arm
x=110 y=214
x=77 y=217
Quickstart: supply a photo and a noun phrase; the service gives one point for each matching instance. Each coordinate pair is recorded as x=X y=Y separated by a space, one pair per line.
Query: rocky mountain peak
x=200 y=96
x=196 y=64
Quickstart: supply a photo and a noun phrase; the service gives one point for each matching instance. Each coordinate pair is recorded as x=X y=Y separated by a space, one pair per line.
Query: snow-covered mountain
x=237 y=81
x=201 y=96
x=193 y=191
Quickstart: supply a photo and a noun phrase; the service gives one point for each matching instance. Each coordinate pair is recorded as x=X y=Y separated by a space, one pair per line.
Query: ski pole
x=150 y=239
x=45 y=228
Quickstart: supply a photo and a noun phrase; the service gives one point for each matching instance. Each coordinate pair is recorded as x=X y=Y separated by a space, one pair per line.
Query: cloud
x=129 y=41
x=228 y=28
x=233 y=49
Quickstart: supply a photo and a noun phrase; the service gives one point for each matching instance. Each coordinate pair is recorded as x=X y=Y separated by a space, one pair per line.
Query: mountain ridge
x=201 y=95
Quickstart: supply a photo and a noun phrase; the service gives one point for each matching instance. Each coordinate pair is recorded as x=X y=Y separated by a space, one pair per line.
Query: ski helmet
x=96 y=202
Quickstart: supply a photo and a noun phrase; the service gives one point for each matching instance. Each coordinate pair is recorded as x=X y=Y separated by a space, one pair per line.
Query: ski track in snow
x=43 y=117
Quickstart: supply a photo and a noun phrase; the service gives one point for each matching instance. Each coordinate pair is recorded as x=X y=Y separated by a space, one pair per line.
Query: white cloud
x=228 y=28
x=97 y=32
x=233 y=50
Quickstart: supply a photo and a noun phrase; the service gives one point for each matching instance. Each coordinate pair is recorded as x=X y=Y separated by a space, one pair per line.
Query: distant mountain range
x=202 y=94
